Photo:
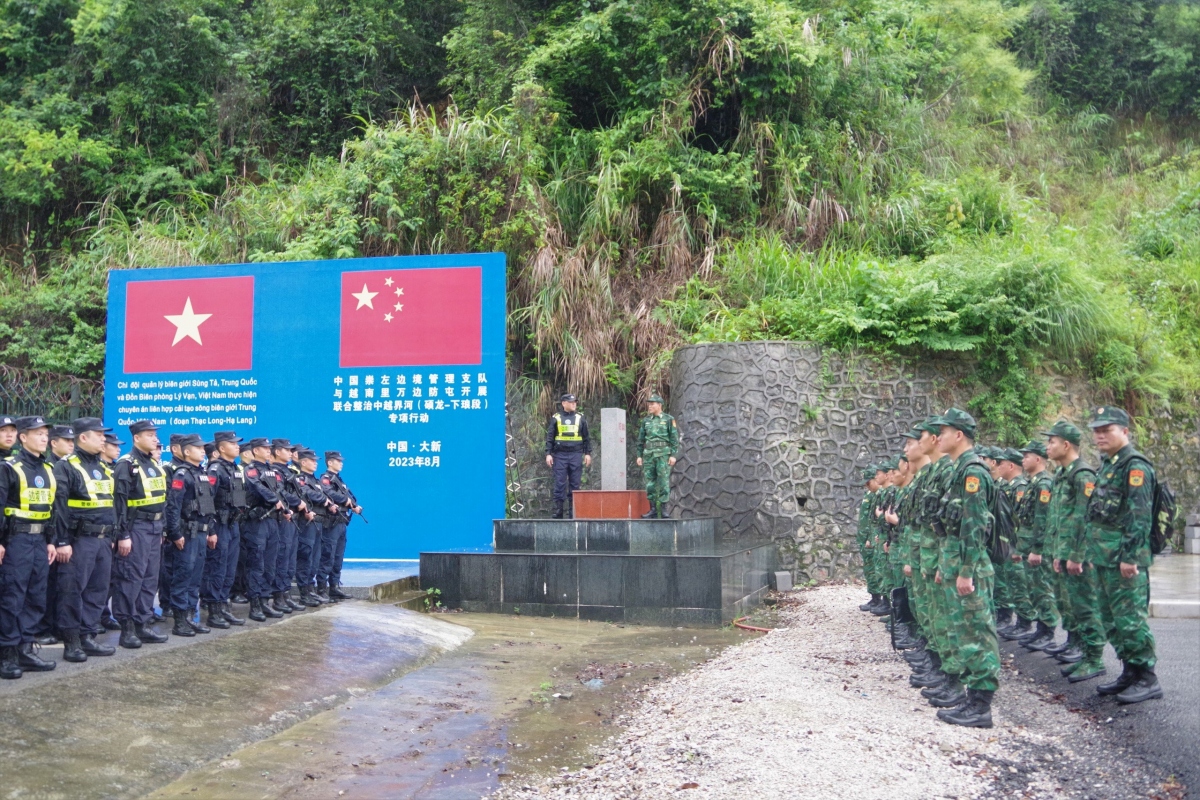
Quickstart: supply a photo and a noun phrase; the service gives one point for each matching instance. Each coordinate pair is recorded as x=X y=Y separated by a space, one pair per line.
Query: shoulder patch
x=972 y=485
x=1020 y=494
x=325 y=481
x=1136 y=477
x=252 y=472
x=1088 y=488
x=212 y=479
x=1044 y=496
x=177 y=483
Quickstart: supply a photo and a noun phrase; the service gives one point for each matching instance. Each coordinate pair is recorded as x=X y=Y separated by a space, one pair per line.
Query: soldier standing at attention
x=1032 y=542
x=220 y=563
x=139 y=503
x=862 y=535
x=568 y=451
x=658 y=444
x=8 y=436
x=62 y=444
x=333 y=543
x=1119 y=519
x=191 y=529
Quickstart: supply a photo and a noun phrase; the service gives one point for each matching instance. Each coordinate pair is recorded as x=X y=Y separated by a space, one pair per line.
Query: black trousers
x=22 y=588
x=568 y=473
x=83 y=585
x=135 y=576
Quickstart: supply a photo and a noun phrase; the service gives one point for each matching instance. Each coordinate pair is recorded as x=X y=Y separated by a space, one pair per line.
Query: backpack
x=1002 y=534
x=1162 y=525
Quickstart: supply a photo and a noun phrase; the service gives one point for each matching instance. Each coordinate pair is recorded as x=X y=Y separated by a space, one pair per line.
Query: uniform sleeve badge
x=972 y=484
x=1136 y=477
x=177 y=483
x=1020 y=495
x=1044 y=496
x=1088 y=488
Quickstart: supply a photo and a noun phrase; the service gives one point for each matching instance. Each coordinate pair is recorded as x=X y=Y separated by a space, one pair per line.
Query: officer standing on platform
x=260 y=535
x=658 y=444
x=189 y=526
x=84 y=525
x=27 y=490
x=333 y=545
x=140 y=504
x=568 y=451
x=220 y=565
x=8 y=435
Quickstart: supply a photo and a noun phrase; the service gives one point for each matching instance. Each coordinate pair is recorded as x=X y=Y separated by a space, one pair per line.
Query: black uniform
x=260 y=535
x=190 y=515
x=231 y=502
x=285 y=561
x=568 y=440
x=309 y=532
x=333 y=540
x=83 y=520
x=139 y=504
x=27 y=488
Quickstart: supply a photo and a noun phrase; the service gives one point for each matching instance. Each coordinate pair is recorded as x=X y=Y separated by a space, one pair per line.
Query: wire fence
x=58 y=398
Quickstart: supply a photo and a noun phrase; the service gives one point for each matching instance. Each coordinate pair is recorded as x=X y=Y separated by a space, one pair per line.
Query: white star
x=400 y=291
x=388 y=282
x=187 y=325
x=364 y=298
x=387 y=317
x=399 y=306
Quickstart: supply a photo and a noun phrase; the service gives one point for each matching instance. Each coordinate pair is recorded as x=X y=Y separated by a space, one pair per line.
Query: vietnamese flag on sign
x=189 y=325
x=412 y=317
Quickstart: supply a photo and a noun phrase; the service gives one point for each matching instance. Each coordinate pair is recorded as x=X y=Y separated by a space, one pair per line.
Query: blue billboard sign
x=396 y=362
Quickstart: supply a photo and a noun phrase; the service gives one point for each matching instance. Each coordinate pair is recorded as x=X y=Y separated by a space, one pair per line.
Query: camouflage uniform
x=941 y=633
x=1018 y=583
x=1031 y=538
x=1073 y=487
x=866 y=524
x=657 y=442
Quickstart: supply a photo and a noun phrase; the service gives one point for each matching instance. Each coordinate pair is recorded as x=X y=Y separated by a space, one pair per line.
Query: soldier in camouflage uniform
x=1018 y=583
x=863 y=536
x=1009 y=477
x=1031 y=541
x=993 y=457
x=1075 y=579
x=964 y=523
x=883 y=501
x=658 y=445
x=1119 y=520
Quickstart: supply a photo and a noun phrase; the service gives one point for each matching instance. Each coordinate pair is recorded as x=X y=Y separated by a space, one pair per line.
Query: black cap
x=244 y=448
x=141 y=426
x=6 y=420
x=176 y=438
x=259 y=441
x=567 y=398
x=281 y=444
x=333 y=455
x=62 y=432
x=302 y=454
x=209 y=447
x=225 y=436
x=85 y=424
x=111 y=438
x=191 y=440
x=297 y=447
x=29 y=423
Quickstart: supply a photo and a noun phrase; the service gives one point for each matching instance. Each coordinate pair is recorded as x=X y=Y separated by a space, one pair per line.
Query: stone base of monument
x=650 y=572
x=604 y=504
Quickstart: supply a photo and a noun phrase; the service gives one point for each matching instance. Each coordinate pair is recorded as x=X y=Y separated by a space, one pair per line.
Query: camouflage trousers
x=944 y=598
x=1018 y=589
x=1125 y=611
x=1002 y=596
x=1085 y=619
x=1040 y=582
x=870 y=573
x=977 y=656
x=657 y=474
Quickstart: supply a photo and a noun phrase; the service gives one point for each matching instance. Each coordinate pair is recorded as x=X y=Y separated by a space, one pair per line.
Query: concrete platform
x=1175 y=587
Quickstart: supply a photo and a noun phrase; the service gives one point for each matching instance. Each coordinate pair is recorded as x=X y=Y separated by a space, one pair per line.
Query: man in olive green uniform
x=1119 y=520
x=1018 y=582
x=863 y=537
x=1009 y=479
x=964 y=564
x=1031 y=542
x=658 y=444
x=1075 y=579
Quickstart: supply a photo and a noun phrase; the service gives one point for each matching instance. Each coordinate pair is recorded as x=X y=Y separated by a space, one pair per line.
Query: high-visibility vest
x=567 y=431
x=100 y=490
x=154 y=487
x=36 y=501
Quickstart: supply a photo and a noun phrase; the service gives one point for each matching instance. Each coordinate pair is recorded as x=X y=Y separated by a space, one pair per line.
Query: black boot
x=93 y=648
x=29 y=660
x=256 y=610
x=198 y=627
x=662 y=511
x=129 y=639
x=1127 y=678
x=240 y=599
x=148 y=635
x=337 y=594
x=976 y=713
x=1071 y=655
x=268 y=609
x=1017 y=629
x=322 y=593
x=558 y=512
x=929 y=680
x=72 y=649
x=287 y=598
x=1146 y=687
x=867 y=605
x=1061 y=647
x=182 y=627
x=1003 y=617
x=649 y=514
x=952 y=695
x=47 y=639
x=230 y=617
x=307 y=599
x=215 y=618
x=1044 y=639
x=10 y=667
x=109 y=622
x=279 y=600
x=884 y=608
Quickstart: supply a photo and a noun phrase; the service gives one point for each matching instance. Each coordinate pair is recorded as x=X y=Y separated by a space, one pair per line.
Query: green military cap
x=1037 y=448
x=1065 y=430
x=958 y=419
x=1109 y=415
x=1013 y=454
x=911 y=434
x=655 y=398
x=869 y=473
x=928 y=425
x=985 y=451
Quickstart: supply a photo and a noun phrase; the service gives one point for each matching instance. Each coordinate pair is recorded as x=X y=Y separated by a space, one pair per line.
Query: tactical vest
x=36 y=501
x=99 y=490
x=567 y=431
x=202 y=504
x=154 y=487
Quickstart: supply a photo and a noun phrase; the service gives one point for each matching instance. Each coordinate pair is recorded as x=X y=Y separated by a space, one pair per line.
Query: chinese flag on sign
x=412 y=317
x=199 y=324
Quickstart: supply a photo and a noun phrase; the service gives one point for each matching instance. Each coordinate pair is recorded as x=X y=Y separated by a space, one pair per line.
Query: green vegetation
x=1014 y=181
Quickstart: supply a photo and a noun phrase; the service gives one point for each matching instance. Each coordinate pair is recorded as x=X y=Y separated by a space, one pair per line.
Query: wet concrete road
x=482 y=714
x=125 y=725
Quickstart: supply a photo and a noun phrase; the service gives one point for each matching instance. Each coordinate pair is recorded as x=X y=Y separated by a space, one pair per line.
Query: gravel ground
x=820 y=707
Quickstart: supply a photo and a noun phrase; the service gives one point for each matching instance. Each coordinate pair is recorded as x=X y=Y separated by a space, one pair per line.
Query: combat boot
x=929 y=680
x=1043 y=637
x=230 y=617
x=256 y=610
x=268 y=609
x=29 y=660
x=109 y=622
x=129 y=639
x=662 y=511
x=558 y=512
x=1146 y=687
x=921 y=667
x=867 y=605
x=1127 y=678
x=10 y=667
x=884 y=608
x=47 y=639
x=649 y=514
x=182 y=626
x=337 y=594
x=1072 y=655
x=1061 y=647
x=147 y=634
x=72 y=649
x=197 y=626
x=976 y=713
x=215 y=618
x=1004 y=617
x=93 y=648
x=1017 y=629
x=287 y=598
x=952 y=695
x=280 y=604
x=306 y=598
x=1086 y=669
x=240 y=599
x=322 y=593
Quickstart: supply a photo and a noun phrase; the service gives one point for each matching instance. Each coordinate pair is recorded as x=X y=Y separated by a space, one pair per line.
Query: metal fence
x=58 y=398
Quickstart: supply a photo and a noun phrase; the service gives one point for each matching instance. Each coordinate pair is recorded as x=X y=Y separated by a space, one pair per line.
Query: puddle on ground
x=482 y=714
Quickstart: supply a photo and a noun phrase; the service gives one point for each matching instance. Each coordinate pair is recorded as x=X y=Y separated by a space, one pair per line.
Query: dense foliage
x=1011 y=181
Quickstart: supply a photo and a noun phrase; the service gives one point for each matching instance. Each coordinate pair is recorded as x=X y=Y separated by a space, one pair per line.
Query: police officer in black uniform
x=311 y=527
x=62 y=444
x=190 y=527
x=220 y=566
x=84 y=526
x=568 y=451
x=167 y=560
x=333 y=541
x=278 y=576
x=260 y=535
x=27 y=489
x=8 y=435
x=140 y=504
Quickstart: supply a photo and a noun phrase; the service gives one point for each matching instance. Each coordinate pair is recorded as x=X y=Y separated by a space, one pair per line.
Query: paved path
x=1175 y=587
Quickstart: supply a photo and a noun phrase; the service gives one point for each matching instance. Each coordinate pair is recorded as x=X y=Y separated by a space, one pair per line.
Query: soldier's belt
x=196 y=525
x=29 y=527
x=145 y=516
x=90 y=529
